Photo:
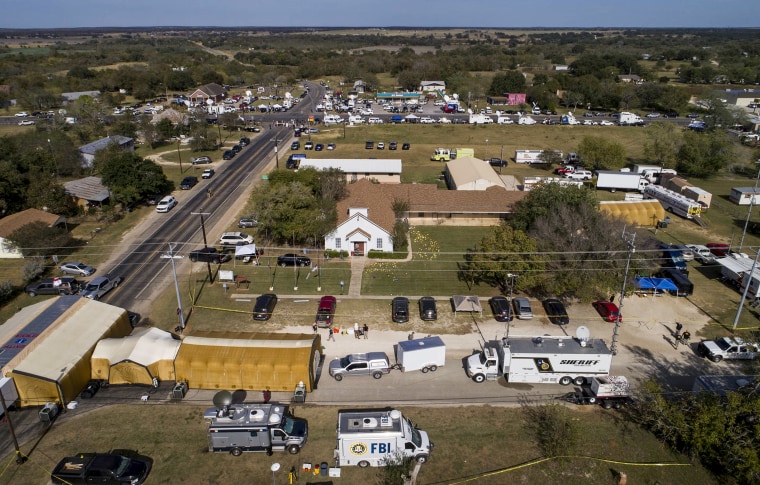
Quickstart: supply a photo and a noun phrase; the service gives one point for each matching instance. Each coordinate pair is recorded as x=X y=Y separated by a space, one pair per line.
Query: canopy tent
x=640 y=212
x=469 y=303
x=56 y=367
x=411 y=118
x=249 y=361
x=136 y=359
x=247 y=253
x=644 y=283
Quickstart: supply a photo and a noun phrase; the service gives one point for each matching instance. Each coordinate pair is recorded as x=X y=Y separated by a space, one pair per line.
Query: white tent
x=411 y=117
x=146 y=354
x=247 y=253
x=468 y=303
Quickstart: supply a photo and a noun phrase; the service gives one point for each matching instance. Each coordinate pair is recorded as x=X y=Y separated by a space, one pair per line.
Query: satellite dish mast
x=222 y=401
x=582 y=334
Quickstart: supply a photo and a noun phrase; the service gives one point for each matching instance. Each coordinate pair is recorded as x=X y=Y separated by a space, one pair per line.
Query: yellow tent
x=146 y=354
x=55 y=366
x=640 y=212
x=248 y=361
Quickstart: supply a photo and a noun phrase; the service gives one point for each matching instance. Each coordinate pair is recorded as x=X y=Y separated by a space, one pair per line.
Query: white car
x=25 y=122
x=22 y=114
x=427 y=121
x=235 y=239
x=701 y=253
x=166 y=204
x=444 y=120
x=589 y=123
x=579 y=175
x=606 y=123
x=440 y=102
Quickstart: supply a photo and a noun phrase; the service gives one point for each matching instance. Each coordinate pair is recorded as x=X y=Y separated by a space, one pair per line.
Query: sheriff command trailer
x=547 y=360
x=375 y=437
x=255 y=427
x=613 y=181
x=531 y=156
x=673 y=201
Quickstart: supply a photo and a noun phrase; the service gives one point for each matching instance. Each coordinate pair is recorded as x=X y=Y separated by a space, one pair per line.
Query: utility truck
x=549 y=360
x=254 y=427
x=610 y=392
x=376 y=437
x=614 y=181
x=446 y=154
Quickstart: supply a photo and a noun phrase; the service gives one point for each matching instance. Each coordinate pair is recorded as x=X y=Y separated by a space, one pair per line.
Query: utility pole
x=179 y=154
x=512 y=277
x=205 y=244
x=276 y=153
x=20 y=458
x=180 y=312
x=631 y=249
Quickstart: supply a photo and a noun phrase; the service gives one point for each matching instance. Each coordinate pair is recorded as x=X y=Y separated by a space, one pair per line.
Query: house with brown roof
x=11 y=223
x=212 y=91
x=366 y=217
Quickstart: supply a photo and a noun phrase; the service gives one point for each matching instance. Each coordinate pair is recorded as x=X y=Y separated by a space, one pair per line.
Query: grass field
x=491 y=438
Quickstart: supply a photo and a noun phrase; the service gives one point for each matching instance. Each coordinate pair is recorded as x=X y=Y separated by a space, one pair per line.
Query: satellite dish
x=582 y=333
x=222 y=399
x=275 y=467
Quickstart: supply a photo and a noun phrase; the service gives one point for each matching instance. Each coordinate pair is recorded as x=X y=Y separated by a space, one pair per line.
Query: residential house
x=69 y=97
x=385 y=171
x=11 y=223
x=360 y=87
x=91 y=149
x=630 y=78
x=213 y=91
x=88 y=191
x=432 y=86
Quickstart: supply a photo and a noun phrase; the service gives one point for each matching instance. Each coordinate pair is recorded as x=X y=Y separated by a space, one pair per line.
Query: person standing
x=356 y=329
x=612 y=298
x=365 y=330
x=330 y=334
x=314 y=327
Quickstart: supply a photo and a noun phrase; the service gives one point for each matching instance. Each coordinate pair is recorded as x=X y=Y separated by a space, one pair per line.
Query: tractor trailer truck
x=614 y=181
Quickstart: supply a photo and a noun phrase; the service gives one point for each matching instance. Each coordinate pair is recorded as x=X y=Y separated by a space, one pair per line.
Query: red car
x=607 y=310
x=325 y=312
x=718 y=249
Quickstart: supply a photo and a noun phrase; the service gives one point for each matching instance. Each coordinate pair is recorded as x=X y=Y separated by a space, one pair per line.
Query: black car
x=66 y=285
x=400 y=309
x=556 y=312
x=264 y=306
x=392 y=145
x=501 y=309
x=188 y=183
x=369 y=145
x=292 y=259
x=428 y=310
x=319 y=147
x=228 y=155
x=497 y=162
x=244 y=142
x=405 y=146
x=236 y=148
x=208 y=255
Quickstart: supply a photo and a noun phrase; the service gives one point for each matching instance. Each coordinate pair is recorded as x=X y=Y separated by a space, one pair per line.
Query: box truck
x=630 y=119
x=614 y=181
x=424 y=354
x=376 y=437
x=545 y=359
x=255 y=427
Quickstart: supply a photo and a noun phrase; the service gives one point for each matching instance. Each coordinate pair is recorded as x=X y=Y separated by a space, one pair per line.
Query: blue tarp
x=661 y=284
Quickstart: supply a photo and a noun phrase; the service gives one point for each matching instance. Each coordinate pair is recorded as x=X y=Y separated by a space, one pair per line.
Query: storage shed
x=48 y=356
x=249 y=361
x=745 y=195
x=640 y=212
x=137 y=359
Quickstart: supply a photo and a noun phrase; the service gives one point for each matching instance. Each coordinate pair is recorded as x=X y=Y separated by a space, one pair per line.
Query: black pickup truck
x=119 y=467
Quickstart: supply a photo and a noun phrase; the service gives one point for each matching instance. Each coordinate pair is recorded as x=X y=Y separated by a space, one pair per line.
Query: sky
x=25 y=14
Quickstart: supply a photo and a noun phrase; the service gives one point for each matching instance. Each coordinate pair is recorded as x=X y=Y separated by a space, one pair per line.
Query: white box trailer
x=642 y=168
x=9 y=392
x=736 y=268
x=614 y=181
x=745 y=196
x=530 y=182
x=549 y=360
x=376 y=437
x=425 y=354
x=531 y=156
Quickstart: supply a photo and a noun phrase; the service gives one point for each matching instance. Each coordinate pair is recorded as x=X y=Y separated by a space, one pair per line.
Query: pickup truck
x=100 y=286
x=729 y=348
x=119 y=467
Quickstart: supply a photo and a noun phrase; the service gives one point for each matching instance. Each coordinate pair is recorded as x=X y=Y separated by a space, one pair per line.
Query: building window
x=337 y=243
x=379 y=243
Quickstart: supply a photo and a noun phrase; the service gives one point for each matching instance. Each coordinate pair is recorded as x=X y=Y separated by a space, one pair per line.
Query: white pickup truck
x=729 y=348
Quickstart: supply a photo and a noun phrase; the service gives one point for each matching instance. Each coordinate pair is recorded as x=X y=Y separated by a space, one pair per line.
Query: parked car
x=607 y=310
x=248 y=221
x=400 y=309
x=497 y=162
x=228 y=155
x=245 y=141
x=702 y=253
x=201 y=160
x=501 y=309
x=67 y=285
x=264 y=306
x=375 y=364
x=331 y=146
x=292 y=259
x=392 y=145
x=308 y=145
x=325 y=311
x=718 y=249
x=522 y=308
x=556 y=312
x=295 y=145
x=319 y=147
x=235 y=239
x=406 y=146
x=99 y=286
x=208 y=255
x=686 y=253
x=369 y=145
x=208 y=173
x=236 y=148
x=76 y=267
x=381 y=146
x=188 y=182
x=427 y=307
x=580 y=175
x=26 y=122
x=166 y=204
x=729 y=348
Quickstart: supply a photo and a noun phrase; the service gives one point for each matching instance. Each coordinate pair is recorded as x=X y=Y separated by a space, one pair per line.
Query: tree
x=573 y=98
x=601 y=152
x=503 y=252
x=129 y=177
x=662 y=143
x=550 y=157
x=508 y=82
x=289 y=212
x=704 y=154
x=544 y=200
x=38 y=239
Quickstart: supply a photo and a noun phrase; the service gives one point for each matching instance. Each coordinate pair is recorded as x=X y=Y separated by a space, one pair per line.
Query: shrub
x=375 y=254
x=6 y=290
x=33 y=267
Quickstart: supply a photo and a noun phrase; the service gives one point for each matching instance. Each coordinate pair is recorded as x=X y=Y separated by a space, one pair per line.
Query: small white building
x=385 y=171
x=432 y=86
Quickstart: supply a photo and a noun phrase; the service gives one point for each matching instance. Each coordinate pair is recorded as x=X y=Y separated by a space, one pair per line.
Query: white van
x=375 y=121
x=333 y=119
